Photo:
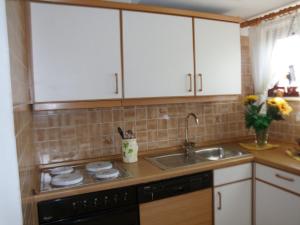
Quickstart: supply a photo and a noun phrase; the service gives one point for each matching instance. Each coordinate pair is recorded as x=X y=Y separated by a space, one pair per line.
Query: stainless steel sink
x=218 y=153
x=200 y=155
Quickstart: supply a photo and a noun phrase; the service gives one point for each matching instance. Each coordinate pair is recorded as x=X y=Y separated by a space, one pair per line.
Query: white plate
x=107 y=174
x=98 y=166
x=66 y=179
x=61 y=170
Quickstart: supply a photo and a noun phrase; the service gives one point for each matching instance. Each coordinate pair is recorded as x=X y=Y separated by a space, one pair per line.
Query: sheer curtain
x=262 y=41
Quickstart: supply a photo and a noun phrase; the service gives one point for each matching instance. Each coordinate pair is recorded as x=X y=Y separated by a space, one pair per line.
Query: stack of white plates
x=107 y=174
x=66 y=179
x=98 y=166
x=61 y=170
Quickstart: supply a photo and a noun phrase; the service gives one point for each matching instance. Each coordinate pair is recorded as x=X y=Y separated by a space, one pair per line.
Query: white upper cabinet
x=158 y=55
x=218 y=57
x=76 y=53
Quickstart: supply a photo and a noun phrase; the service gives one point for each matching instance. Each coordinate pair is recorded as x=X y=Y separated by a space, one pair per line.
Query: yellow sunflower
x=250 y=99
x=277 y=101
x=281 y=104
x=285 y=108
x=271 y=102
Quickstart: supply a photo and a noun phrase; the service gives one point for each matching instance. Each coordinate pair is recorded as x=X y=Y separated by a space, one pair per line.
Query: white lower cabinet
x=277 y=197
x=233 y=204
x=233 y=195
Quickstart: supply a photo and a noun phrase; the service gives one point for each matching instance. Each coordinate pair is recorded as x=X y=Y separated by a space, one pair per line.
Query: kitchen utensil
x=121 y=132
x=130 y=134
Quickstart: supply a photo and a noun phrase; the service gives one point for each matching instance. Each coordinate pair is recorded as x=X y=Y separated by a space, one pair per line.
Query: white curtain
x=262 y=41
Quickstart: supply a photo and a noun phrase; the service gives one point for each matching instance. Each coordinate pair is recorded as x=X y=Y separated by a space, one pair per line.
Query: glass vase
x=261 y=137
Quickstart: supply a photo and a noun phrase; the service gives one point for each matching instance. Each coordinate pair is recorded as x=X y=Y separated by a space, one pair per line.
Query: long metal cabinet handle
x=285 y=178
x=190 y=76
x=117 y=84
x=220 y=201
x=201 y=82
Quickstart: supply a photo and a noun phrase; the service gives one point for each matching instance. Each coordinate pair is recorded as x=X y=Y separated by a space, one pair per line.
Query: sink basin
x=218 y=153
x=175 y=160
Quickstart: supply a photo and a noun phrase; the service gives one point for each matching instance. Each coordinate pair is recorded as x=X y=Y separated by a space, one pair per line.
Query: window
x=286 y=67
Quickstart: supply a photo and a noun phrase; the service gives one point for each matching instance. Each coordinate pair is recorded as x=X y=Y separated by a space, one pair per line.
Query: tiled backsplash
x=76 y=134
x=287 y=130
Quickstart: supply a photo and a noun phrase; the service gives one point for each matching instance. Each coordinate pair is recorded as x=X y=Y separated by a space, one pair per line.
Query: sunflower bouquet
x=276 y=109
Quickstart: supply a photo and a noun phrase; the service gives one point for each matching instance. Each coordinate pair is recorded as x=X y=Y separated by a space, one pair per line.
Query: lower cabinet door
x=233 y=204
x=193 y=208
x=275 y=206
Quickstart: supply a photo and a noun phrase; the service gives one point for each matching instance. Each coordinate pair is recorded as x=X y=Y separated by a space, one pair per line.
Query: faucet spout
x=187 y=144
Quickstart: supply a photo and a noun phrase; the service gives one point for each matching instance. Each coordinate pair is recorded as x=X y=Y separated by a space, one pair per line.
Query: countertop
x=277 y=158
x=143 y=171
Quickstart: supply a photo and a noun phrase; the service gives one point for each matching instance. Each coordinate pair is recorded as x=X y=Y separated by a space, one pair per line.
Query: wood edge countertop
x=144 y=171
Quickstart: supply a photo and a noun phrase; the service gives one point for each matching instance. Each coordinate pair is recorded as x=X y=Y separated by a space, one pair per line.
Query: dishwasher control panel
x=175 y=186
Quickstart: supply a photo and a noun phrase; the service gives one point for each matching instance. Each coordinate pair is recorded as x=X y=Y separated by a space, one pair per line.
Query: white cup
x=130 y=150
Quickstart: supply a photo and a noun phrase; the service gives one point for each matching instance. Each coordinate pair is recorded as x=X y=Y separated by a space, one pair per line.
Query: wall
x=76 y=134
x=17 y=35
x=10 y=203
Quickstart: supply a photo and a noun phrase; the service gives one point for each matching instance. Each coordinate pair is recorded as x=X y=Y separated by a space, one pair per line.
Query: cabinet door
x=158 y=55
x=193 y=208
x=76 y=53
x=218 y=57
x=233 y=204
x=275 y=206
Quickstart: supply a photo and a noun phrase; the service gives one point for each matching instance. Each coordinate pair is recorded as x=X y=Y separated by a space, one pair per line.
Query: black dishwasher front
x=175 y=186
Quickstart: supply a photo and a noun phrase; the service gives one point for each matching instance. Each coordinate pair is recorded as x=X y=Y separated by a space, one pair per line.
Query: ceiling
x=242 y=8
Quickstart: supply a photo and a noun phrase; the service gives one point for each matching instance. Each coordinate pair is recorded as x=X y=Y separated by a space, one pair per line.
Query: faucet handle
x=189 y=149
x=189 y=144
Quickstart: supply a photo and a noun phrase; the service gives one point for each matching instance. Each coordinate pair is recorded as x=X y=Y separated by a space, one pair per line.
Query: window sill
x=292 y=99
x=289 y=99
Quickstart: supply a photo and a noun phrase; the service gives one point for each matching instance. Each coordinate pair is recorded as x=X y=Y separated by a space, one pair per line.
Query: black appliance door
x=122 y=216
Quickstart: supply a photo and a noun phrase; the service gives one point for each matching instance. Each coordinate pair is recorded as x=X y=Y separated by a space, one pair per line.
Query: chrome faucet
x=187 y=144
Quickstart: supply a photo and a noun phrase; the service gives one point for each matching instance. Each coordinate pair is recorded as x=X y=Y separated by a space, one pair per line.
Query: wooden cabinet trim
x=194 y=57
x=122 y=51
x=29 y=52
x=177 y=100
x=145 y=8
x=40 y=106
x=75 y=105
